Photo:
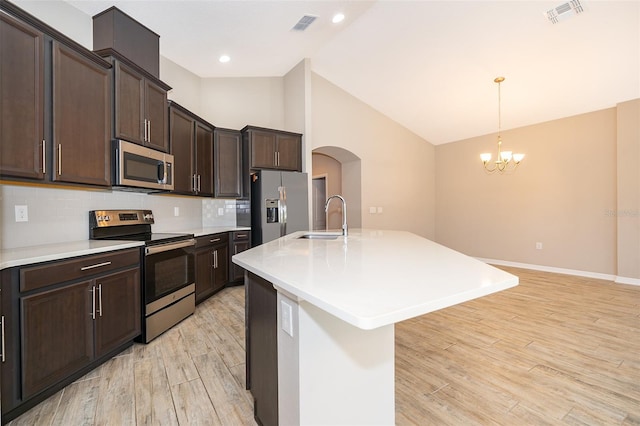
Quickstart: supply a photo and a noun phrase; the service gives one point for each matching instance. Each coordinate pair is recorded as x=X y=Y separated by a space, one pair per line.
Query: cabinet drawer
x=34 y=277
x=240 y=235
x=213 y=239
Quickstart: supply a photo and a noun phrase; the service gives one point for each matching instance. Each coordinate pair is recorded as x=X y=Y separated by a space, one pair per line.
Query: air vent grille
x=564 y=11
x=304 y=22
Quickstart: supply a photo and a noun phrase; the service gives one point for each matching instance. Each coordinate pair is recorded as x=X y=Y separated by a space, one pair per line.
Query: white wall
x=396 y=166
x=236 y=102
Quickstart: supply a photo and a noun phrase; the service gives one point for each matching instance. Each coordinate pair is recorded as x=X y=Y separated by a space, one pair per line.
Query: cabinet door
x=221 y=267
x=263 y=150
x=118 y=310
x=57 y=335
x=156 y=115
x=289 y=152
x=204 y=273
x=22 y=95
x=204 y=159
x=129 y=104
x=227 y=163
x=181 y=128
x=82 y=119
x=237 y=272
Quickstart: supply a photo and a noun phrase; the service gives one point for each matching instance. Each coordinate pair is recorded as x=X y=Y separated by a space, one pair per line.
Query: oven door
x=167 y=268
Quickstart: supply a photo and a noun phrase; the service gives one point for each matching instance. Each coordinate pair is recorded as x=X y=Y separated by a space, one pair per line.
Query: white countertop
x=42 y=253
x=45 y=252
x=198 y=232
x=373 y=278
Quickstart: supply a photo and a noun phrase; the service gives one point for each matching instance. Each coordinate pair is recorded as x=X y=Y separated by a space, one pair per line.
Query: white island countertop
x=373 y=278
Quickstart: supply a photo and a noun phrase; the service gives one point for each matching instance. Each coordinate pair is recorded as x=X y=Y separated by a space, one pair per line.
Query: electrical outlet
x=220 y=211
x=287 y=320
x=538 y=246
x=176 y=211
x=379 y=210
x=22 y=214
x=372 y=210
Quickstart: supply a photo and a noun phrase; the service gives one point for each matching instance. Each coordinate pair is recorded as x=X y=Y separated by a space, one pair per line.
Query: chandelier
x=506 y=161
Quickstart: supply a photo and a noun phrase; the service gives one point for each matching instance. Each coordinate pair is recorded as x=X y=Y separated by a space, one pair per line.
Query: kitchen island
x=335 y=305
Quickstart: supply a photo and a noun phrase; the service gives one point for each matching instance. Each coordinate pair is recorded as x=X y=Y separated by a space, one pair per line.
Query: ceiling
x=429 y=65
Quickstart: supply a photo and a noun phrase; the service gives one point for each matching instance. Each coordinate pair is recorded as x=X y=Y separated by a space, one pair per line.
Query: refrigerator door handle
x=282 y=213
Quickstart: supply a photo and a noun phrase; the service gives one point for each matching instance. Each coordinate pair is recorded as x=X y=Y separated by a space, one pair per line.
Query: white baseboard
x=596 y=275
x=625 y=280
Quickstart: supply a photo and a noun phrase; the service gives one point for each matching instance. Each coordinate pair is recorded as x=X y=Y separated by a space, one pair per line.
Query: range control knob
x=148 y=217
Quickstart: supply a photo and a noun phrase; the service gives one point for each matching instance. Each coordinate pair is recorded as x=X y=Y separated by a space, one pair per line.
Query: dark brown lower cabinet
x=239 y=241
x=211 y=259
x=64 y=318
x=57 y=335
x=262 y=348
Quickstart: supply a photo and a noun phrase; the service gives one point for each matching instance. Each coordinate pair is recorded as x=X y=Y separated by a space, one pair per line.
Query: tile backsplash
x=59 y=214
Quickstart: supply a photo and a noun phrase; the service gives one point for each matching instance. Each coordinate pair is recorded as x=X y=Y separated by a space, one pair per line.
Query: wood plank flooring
x=555 y=350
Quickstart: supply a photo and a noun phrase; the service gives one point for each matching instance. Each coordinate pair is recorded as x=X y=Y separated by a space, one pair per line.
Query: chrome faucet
x=344 y=211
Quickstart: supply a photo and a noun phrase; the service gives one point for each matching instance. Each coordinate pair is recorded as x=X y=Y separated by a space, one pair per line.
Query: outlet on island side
x=538 y=246
x=286 y=318
x=176 y=211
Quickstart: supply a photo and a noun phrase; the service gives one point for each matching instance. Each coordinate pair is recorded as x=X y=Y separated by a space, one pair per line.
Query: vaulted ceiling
x=428 y=65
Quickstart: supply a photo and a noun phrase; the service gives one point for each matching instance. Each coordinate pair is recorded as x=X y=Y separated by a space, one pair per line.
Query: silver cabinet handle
x=93 y=302
x=199 y=182
x=278 y=156
x=2 y=342
x=100 y=299
x=215 y=259
x=215 y=240
x=44 y=157
x=193 y=183
x=275 y=158
x=144 y=138
x=97 y=265
x=149 y=131
x=59 y=159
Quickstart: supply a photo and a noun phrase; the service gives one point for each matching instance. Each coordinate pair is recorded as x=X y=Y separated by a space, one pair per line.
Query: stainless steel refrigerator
x=279 y=204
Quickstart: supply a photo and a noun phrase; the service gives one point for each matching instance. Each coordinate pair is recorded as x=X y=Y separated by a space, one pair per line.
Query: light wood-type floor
x=555 y=350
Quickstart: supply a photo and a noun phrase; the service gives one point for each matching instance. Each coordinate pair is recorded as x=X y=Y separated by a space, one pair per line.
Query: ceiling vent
x=564 y=11
x=304 y=22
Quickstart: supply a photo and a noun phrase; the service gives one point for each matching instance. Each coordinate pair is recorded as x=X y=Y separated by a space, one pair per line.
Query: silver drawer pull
x=241 y=235
x=215 y=240
x=97 y=265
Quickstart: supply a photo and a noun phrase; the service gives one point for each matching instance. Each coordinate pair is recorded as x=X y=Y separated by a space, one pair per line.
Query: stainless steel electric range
x=168 y=283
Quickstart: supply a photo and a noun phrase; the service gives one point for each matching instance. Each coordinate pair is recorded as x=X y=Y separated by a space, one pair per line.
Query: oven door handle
x=166 y=247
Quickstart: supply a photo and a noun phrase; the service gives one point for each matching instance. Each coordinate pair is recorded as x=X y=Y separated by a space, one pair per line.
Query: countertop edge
x=60 y=252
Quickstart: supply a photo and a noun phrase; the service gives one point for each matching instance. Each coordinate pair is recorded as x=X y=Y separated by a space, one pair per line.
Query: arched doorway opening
x=335 y=170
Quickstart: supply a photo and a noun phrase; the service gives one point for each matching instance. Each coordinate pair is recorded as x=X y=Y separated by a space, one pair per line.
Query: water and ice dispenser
x=272 y=206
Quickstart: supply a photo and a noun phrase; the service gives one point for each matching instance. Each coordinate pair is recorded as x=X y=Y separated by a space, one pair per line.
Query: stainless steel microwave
x=137 y=168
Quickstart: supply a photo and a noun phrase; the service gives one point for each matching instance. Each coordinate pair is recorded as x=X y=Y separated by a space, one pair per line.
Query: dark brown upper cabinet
x=22 y=151
x=140 y=114
x=191 y=141
x=81 y=119
x=227 y=163
x=55 y=104
x=273 y=149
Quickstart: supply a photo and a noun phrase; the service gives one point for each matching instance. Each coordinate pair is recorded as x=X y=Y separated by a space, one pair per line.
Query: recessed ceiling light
x=224 y=58
x=338 y=17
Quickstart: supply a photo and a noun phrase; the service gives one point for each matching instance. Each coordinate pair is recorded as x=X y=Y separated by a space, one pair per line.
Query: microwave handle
x=162 y=172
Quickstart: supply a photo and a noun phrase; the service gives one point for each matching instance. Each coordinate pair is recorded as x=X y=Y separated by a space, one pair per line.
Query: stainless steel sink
x=320 y=235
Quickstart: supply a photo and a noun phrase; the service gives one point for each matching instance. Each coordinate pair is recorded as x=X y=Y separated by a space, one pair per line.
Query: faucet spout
x=344 y=211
